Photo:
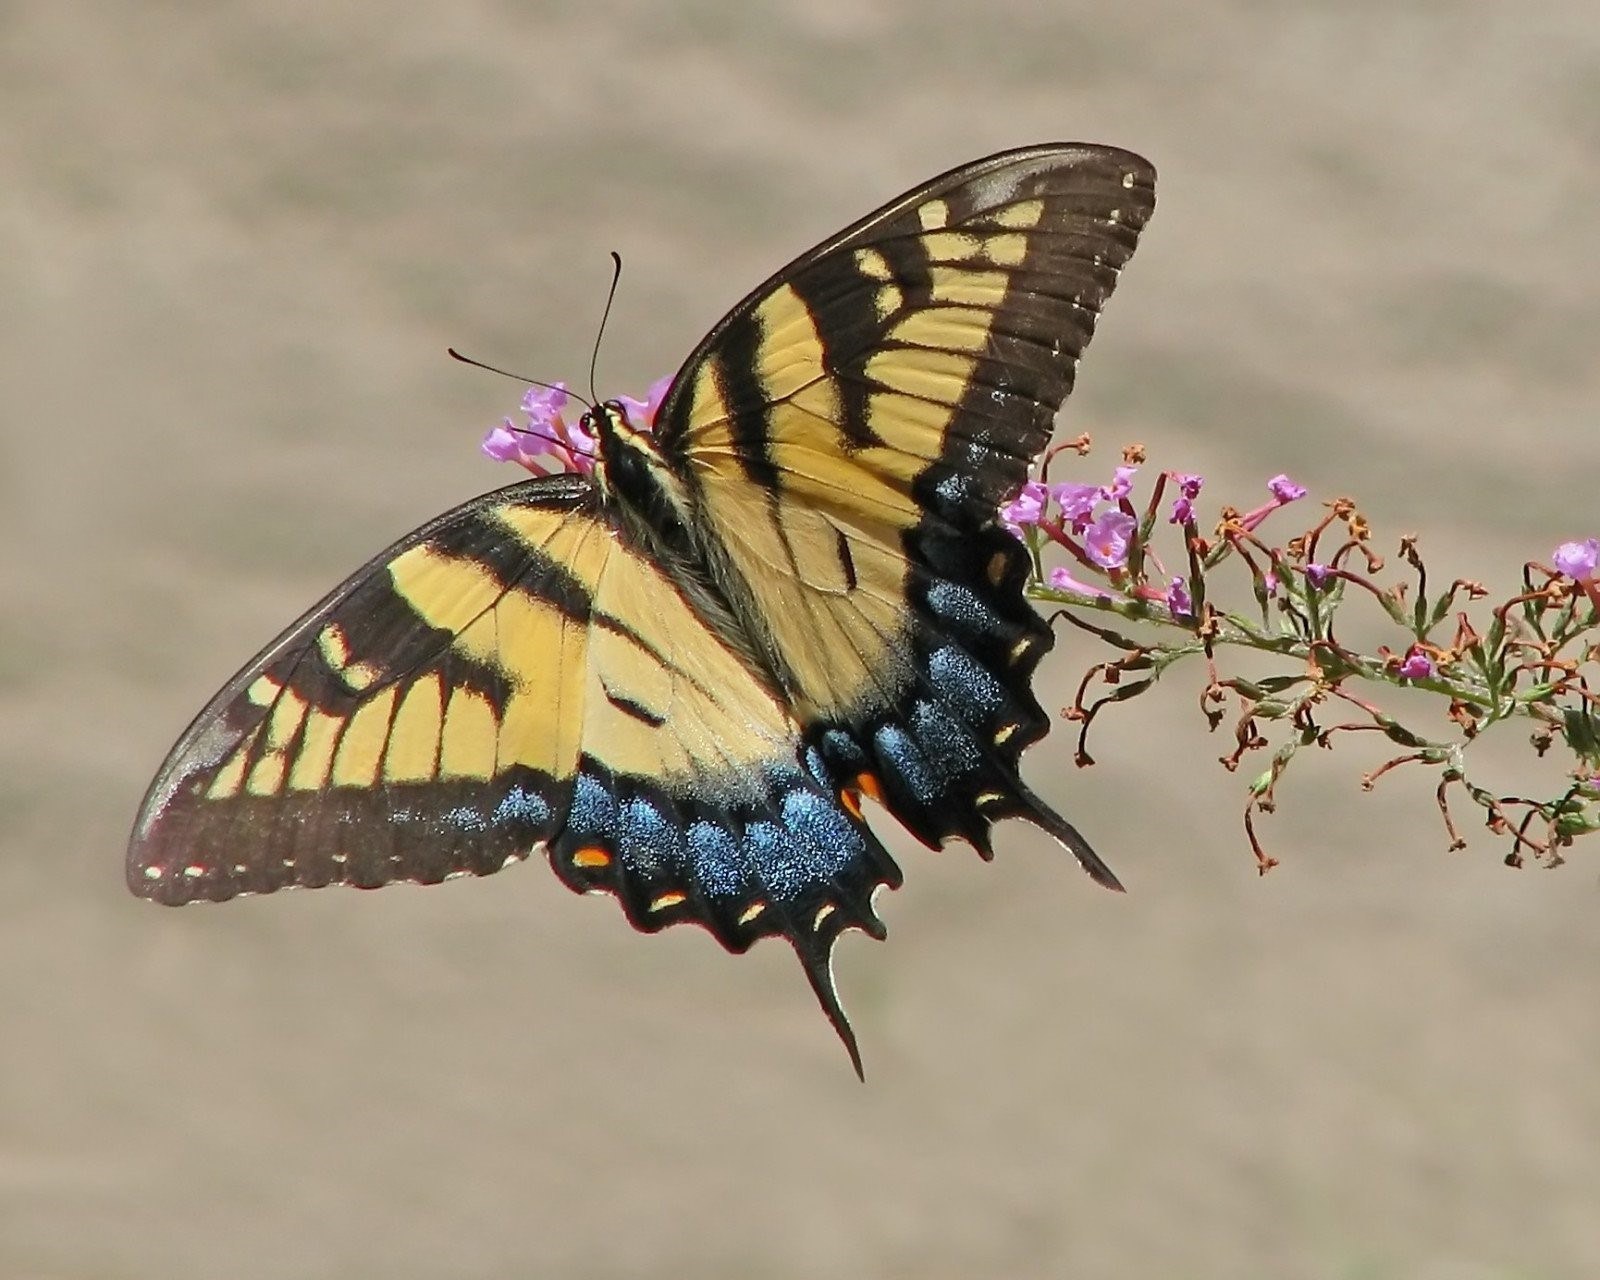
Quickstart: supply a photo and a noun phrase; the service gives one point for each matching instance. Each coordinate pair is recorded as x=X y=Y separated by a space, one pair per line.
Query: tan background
x=234 y=241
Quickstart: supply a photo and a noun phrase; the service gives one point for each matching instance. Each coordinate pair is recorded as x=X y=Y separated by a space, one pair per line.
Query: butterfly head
x=629 y=465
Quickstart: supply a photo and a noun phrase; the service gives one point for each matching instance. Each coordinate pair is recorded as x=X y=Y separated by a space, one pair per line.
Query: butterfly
x=681 y=675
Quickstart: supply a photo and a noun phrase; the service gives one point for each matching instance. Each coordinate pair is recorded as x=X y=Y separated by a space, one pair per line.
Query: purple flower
x=1317 y=575
x=1188 y=491
x=543 y=405
x=548 y=443
x=1179 y=600
x=1077 y=502
x=505 y=443
x=1062 y=580
x=1027 y=508
x=1106 y=539
x=1417 y=666
x=642 y=413
x=1285 y=489
x=1269 y=580
x=1577 y=559
x=1121 y=484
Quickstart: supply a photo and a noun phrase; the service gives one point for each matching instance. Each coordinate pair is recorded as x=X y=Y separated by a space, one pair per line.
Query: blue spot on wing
x=823 y=835
x=465 y=817
x=958 y=673
x=946 y=741
x=774 y=861
x=648 y=839
x=956 y=489
x=713 y=857
x=896 y=749
x=523 y=807
x=594 y=808
x=959 y=605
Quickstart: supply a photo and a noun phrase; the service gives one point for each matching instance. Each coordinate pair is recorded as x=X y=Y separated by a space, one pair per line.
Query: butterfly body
x=680 y=676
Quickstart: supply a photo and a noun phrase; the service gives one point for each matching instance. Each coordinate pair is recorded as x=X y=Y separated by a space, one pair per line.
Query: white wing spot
x=1127 y=181
x=152 y=873
x=194 y=871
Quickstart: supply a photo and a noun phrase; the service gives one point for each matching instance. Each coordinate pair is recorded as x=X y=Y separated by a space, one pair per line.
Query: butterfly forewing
x=850 y=429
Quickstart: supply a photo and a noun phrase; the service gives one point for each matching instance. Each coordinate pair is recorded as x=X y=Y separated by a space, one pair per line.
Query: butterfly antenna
x=505 y=373
x=594 y=358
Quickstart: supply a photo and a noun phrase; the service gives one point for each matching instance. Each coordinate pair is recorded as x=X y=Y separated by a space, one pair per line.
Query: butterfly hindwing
x=849 y=430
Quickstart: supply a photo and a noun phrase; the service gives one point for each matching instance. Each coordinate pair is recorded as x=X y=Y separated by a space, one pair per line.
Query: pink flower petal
x=1577 y=560
x=1106 y=539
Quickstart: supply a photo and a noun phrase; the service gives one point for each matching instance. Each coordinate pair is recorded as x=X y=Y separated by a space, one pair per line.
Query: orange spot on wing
x=752 y=911
x=668 y=900
x=591 y=856
x=869 y=784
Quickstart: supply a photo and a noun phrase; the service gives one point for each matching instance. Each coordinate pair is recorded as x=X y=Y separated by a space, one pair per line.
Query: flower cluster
x=1101 y=530
x=1533 y=657
x=550 y=443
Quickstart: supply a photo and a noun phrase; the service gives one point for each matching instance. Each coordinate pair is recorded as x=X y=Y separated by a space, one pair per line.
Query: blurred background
x=236 y=241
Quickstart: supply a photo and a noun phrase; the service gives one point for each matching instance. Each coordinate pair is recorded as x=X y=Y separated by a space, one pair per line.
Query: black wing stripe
x=735 y=369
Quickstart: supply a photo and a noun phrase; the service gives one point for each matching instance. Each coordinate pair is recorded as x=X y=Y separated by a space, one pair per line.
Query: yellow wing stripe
x=933 y=214
x=969 y=288
x=285 y=719
x=953 y=246
x=360 y=750
x=468 y=737
x=873 y=265
x=448 y=592
x=313 y=762
x=1006 y=250
x=266 y=777
x=948 y=328
x=1022 y=213
x=412 y=754
x=334 y=646
x=791 y=348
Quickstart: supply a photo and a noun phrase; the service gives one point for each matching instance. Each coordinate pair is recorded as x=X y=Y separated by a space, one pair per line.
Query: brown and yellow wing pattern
x=848 y=432
x=515 y=676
